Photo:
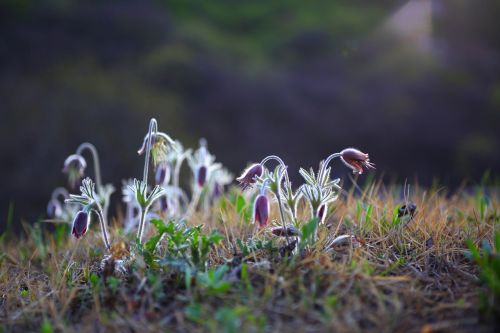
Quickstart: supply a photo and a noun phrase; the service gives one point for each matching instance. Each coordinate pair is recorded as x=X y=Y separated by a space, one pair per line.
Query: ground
x=397 y=272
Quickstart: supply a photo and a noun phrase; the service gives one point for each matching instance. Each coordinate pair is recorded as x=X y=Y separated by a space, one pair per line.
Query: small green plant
x=186 y=248
x=212 y=281
x=488 y=260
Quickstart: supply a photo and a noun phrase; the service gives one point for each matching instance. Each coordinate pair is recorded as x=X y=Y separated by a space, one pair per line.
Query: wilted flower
x=407 y=209
x=74 y=166
x=54 y=209
x=80 y=224
x=162 y=175
x=356 y=160
x=250 y=175
x=261 y=210
x=289 y=231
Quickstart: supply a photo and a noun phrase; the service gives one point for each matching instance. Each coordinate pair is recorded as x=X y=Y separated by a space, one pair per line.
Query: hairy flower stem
x=153 y=128
x=326 y=162
x=103 y=223
x=95 y=156
x=140 y=231
x=278 y=185
x=97 y=170
x=177 y=168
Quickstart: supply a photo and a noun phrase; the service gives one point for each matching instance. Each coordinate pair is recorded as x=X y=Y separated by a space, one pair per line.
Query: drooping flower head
x=250 y=175
x=74 y=167
x=290 y=230
x=356 y=160
x=261 y=210
x=80 y=224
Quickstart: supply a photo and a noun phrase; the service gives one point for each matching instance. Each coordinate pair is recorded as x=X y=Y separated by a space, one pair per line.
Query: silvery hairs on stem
x=155 y=144
x=89 y=202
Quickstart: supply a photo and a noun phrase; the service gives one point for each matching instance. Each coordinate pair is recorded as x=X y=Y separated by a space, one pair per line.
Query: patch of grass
x=217 y=273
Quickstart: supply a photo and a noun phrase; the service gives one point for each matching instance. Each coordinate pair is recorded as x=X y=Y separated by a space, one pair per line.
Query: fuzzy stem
x=280 y=161
x=95 y=157
x=326 y=162
x=153 y=128
x=194 y=202
x=103 y=223
x=278 y=185
x=177 y=168
x=282 y=214
x=97 y=170
x=140 y=231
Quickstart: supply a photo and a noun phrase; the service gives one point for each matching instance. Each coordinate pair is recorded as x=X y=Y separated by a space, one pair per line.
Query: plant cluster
x=318 y=191
x=164 y=199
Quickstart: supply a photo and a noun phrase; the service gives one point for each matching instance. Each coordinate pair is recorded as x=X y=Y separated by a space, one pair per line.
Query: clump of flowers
x=318 y=190
x=143 y=201
x=166 y=199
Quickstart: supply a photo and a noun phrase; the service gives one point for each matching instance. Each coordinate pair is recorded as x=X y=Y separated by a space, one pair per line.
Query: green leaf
x=308 y=232
x=94 y=280
x=240 y=204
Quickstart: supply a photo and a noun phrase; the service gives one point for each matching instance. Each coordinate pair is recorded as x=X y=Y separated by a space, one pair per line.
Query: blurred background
x=415 y=83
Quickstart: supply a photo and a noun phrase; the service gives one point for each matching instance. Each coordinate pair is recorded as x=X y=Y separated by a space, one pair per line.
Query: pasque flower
x=356 y=160
x=261 y=210
x=80 y=224
x=250 y=175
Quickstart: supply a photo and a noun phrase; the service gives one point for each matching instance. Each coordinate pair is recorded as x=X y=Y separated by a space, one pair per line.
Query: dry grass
x=411 y=276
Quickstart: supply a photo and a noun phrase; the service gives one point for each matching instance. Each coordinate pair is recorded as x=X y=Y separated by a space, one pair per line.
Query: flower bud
x=261 y=210
x=54 y=209
x=250 y=175
x=356 y=160
x=201 y=176
x=162 y=175
x=80 y=224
